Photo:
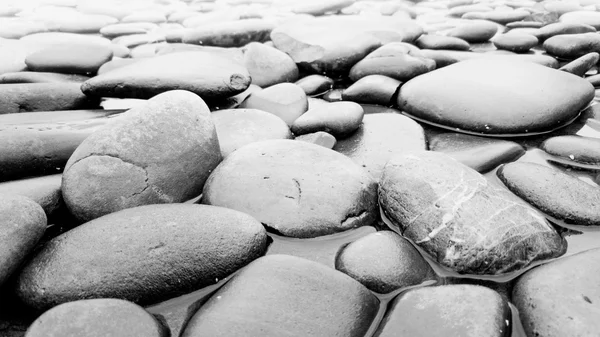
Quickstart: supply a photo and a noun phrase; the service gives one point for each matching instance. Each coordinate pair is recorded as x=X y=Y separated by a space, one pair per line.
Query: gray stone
x=340 y=119
x=25 y=97
x=372 y=89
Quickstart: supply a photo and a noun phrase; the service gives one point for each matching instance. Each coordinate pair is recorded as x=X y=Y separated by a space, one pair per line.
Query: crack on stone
x=298 y=188
x=587 y=299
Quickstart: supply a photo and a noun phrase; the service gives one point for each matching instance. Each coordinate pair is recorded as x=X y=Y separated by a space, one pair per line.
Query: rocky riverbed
x=299 y=168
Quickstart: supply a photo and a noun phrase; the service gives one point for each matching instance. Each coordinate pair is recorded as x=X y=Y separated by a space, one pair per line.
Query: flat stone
x=570 y=46
x=299 y=185
x=45 y=191
x=563 y=28
x=41 y=77
x=445 y=58
x=574 y=150
x=515 y=42
x=586 y=17
x=77 y=23
x=468 y=225
x=340 y=119
x=145 y=16
x=501 y=17
x=486 y=96
x=285 y=295
x=461 y=10
x=285 y=100
x=16 y=28
x=268 y=66
x=399 y=66
x=25 y=97
x=432 y=41
x=320 y=138
x=372 y=89
x=582 y=65
x=135 y=40
x=119 y=29
x=69 y=59
x=320 y=7
x=315 y=85
x=230 y=34
x=475 y=32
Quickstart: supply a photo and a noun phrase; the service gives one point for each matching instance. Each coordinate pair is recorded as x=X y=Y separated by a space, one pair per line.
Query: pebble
x=372 y=89
x=515 y=42
x=500 y=17
x=320 y=138
x=383 y=262
x=69 y=59
x=563 y=28
x=580 y=66
x=120 y=29
x=285 y=100
x=574 y=151
x=299 y=184
x=25 y=97
x=477 y=31
x=571 y=46
x=41 y=77
x=340 y=119
x=558 y=194
x=561 y=298
x=96 y=317
x=268 y=66
x=460 y=10
x=145 y=255
x=401 y=66
x=464 y=222
x=586 y=17
x=284 y=295
x=433 y=41
x=315 y=85
x=45 y=191
x=230 y=34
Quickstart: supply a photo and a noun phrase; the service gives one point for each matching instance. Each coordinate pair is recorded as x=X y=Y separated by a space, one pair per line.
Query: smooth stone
x=22 y=226
x=12 y=56
x=594 y=80
x=77 y=23
x=572 y=46
x=284 y=295
x=372 y=89
x=381 y=136
x=524 y=24
x=561 y=298
x=500 y=17
x=145 y=17
x=401 y=67
x=320 y=138
x=450 y=310
x=515 y=42
x=95 y=318
x=315 y=85
x=239 y=127
x=383 y=262
x=470 y=226
x=580 y=66
x=16 y=28
x=432 y=41
x=25 y=97
x=120 y=29
x=268 y=66
x=340 y=119
x=110 y=8
x=69 y=59
x=45 y=191
x=486 y=96
x=230 y=34
x=445 y=58
x=553 y=192
x=475 y=32
x=41 y=77
x=159 y=152
x=116 y=63
x=299 y=184
x=574 y=150
x=49 y=39
x=333 y=95
x=145 y=255
x=478 y=153
x=586 y=17
x=285 y=100
x=205 y=74
x=561 y=7
x=460 y=10
x=135 y=40
x=563 y=28
x=320 y=7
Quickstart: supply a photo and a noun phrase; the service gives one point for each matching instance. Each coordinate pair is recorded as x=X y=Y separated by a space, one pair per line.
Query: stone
x=319 y=7
x=461 y=10
x=69 y=59
x=515 y=42
x=145 y=255
x=299 y=184
x=563 y=28
x=381 y=136
x=239 y=127
x=466 y=224
x=116 y=63
x=525 y=24
x=445 y=58
x=478 y=153
x=230 y=34
x=486 y=96
x=450 y=310
x=340 y=119
x=206 y=74
x=594 y=80
x=96 y=317
x=553 y=192
x=333 y=95
x=22 y=225
x=321 y=138
x=48 y=39
x=433 y=41
x=120 y=29
x=477 y=31
x=571 y=46
x=25 y=97
x=45 y=191
x=145 y=16
x=372 y=89
x=136 y=40
x=384 y=262
x=41 y=77
x=560 y=298
x=573 y=150
x=16 y=28
x=400 y=66
x=268 y=66
x=78 y=23
x=285 y=100
x=159 y=152
x=591 y=18
x=315 y=85
x=285 y=295
x=580 y=66
x=500 y=17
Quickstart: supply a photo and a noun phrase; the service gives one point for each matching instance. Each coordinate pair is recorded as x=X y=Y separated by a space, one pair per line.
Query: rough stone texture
x=145 y=255
x=460 y=219
x=305 y=190
x=26 y=97
x=284 y=295
x=340 y=119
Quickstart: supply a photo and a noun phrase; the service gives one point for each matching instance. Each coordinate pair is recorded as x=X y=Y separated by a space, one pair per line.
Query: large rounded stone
x=159 y=152
x=570 y=46
x=340 y=119
x=268 y=66
x=145 y=255
x=304 y=190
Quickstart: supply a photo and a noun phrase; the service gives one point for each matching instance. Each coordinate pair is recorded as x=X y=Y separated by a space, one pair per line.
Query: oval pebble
x=340 y=119
x=591 y=18
x=432 y=41
x=285 y=100
x=315 y=85
x=563 y=28
x=574 y=150
x=372 y=89
x=320 y=138
x=516 y=42
x=570 y=46
x=475 y=32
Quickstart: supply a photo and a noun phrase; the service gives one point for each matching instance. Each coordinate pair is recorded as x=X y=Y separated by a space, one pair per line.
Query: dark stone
x=372 y=89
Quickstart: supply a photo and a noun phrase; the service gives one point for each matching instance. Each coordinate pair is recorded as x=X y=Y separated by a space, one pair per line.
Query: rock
x=561 y=298
x=286 y=101
x=16 y=28
x=159 y=152
x=43 y=97
x=571 y=46
x=401 y=66
x=477 y=31
x=135 y=40
x=380 y=137
x=573 y=150
x=372 y=89
x=334 y=95
x=268 y=66
x=319 y=7
x=563 y=28
x=69 y=59
x=581 y=65
x=285 y=295
x=120 y=29
x=315 y=85
x=451 y=310
x=515 y=42
x=144 y=255
x=145 y=16
x=206 y=74
x=95 y=317
x=299 y=185
x=461 y=10
x=594 y=79
x=582 y=17
x=45 y=191
x=469 y=226
x=40 y=41
x=12 y=56
x=383 y=262
x=525 y=24
x=445 y=58
x=478 y=153
x=239 y=127
x=22 y=225
x=321 y=138
x=116 y=63
x=500 y=17
x=41 y=77
x=230 y=34
x=486 y=97
x=432 y=41
x=558 y=194
x=340 y=119
x=78 y=23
